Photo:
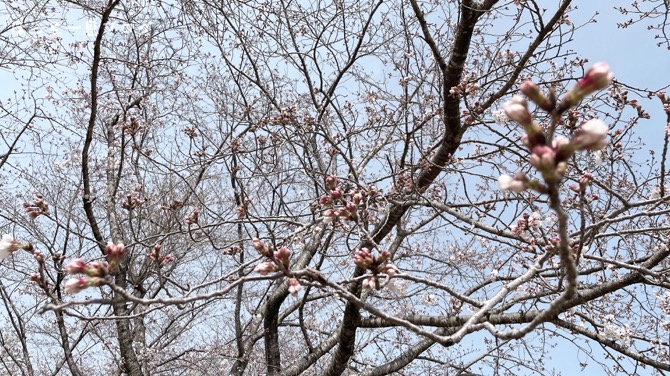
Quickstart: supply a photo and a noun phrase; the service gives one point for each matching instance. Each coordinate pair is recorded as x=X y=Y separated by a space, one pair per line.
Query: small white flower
x=7 y=246
x=508 y=183
x=598 y=157
x=499 y=117
x=592 y=135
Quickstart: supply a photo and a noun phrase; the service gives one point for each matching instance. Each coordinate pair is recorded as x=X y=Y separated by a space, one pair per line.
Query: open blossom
x=509 y=183
x=592 y=136
x=7 y=246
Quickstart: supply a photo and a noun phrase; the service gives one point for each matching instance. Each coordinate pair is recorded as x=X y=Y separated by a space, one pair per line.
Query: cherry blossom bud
x=543 y=158
x=357 y=197
x=530 y=89
x=363 y=258
x=325 y=200
x=114 y=251
x=597 y=77
x=265 y=268
x=35 y=277
x=331 y=182
x=336 y=194
x=592 y=135
x=166 y=260
x=383 y=256
x=293 y=287
x=283 y=255
x=76 y=266
x=75 y=285
x=390 y=269
x=369 y=284
x=509 y=183
x=7 y=246
x=329 y=216
x=259 y=246
x=517 y=109
x=97 y=269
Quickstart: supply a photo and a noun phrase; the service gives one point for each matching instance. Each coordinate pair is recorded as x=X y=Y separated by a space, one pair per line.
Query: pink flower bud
x=331 y=182
x=75 y=285
x=97 y=269
x=282 y=255
x=517 y=109
x=530 y=89
x=369 y=284
x=265 y=268
x=259 y=246
x=390 y=269
x=383 y=256
x=597 y=77
x=591 y=136
x=76 y=266
x=363 y=258
x=336 y=194
x=293 y=287
x=325 y=200
x=329 y=216
x=114 y=251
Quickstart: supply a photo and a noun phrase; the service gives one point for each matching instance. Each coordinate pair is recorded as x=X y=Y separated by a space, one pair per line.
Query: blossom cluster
x=376 y=264
x=36 y=207
x=278 y=260
x=341 y=207
x=550 y=157
x=96 y=271
x=158 y=258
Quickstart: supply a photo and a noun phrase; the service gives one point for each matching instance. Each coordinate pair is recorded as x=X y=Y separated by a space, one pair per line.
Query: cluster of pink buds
x=156 y=257
x=36 y=207
x=193 y=217
x=8 y=245
x=526 y=223
x=132 y=201
x=278 y=260
x=377 y=265
x=114 y=254
x=75 y=285
x=95 y=271
x=551 y=158
x=342 y=208
x=174 y=205
x=242 y=209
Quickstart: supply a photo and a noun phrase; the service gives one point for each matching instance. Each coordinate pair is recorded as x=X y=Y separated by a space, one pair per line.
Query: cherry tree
x=355 y=187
